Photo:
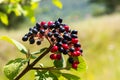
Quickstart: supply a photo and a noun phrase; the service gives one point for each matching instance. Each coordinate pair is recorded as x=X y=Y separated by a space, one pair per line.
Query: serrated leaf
x=4 y=18
x=82 y=66
x=41 y=50
x=16 y=43
x=60 y=63
x=57 y=3
x=70 y=76
x=13 y=67
x=45 y=75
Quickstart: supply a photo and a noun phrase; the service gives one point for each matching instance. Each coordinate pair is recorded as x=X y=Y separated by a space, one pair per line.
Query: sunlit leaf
x=60 y=63
x=4 y=18
x=82 y=66
x=70 y=76
x=57 y=3
x=45 y=75
x=13 y=67
x=16 y=43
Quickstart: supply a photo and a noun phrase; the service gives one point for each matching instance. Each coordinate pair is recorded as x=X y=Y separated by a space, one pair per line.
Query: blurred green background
x=97 y=21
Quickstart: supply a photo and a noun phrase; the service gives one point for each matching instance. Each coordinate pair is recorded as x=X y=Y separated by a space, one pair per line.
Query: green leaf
x=13 y=67
x=45 y=75
x=41 y=50
x=82 y=66
x=70 y=76
x=57 y=3
x=4 y=18
x=16 y=43
x=60 y=63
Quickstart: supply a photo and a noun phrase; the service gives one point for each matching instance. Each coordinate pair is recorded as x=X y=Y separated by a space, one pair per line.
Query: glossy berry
x=59 y=44
x=58 y=56
x=45 y=26
x=78 y=53
x=52 y=26
x=25 y=38
x=60 y=20
x=49 y=34
x=56 y=34
x=37 y=25
x=74 y=66
x=77 y=49
x=38 y=42
x=42 y=31
x=53 y=56
x=61 y=29
x=59 y=38
x=72 y=49
x=70 y=60
x=42 y=23
x=54 y=49
x=53 y=31
x=74 y=40
x=77 y=45
x=65 y=46
x=57 y=24
x=74 y=32
x=74 y=36
x=31 y=40
x=60 y=49
x=81 y=50
x=66 y=28
x=34 y=30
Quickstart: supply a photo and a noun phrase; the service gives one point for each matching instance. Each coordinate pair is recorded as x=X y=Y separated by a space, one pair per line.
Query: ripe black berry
x=61 y=29
x=59 y=38
x=25 y=38
x=60 y=49
x=42 y=31
x=53 y=31
x=31 y=40
x=60 y=20
x=56 y=34
x=72 y=49
x=70 y=60
x=34 y=30
x=57 y=24
x=59 y=44
x=38 y=42
x=81 y=50
x=77 y=45
x=52 y=26
x=49 y=34
x=45 y=26
x=74 y=32
x=74 y=36
x=37 y=25
x=30 y=33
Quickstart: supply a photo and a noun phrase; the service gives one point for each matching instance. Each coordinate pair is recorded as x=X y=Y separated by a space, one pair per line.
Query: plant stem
x=30 y=66
x=49 y=68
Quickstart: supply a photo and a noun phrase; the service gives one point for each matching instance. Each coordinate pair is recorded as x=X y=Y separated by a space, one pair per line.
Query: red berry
x=74 y=65
x=53 y=56
x=74 y=53
x=66 y=28
x=78 y=53
x=77 y=49
x=54 y=49
x=42 y=23
x=58 y=56
x=65 y=46
x=50 y=23
x=74 y=40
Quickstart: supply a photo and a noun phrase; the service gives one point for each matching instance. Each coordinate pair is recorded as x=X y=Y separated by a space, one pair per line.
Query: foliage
x=110 y=4
x=12 y=11
x=13 y=67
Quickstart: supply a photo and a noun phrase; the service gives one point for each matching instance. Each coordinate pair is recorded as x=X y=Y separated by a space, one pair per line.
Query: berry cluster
x=64 y=40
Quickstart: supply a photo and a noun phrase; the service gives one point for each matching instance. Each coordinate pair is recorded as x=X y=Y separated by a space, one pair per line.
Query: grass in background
x=100 y=39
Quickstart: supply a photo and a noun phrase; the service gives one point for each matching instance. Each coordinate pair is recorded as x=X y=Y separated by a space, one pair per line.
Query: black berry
x=72 y=49
x=31 y=40
x=38 y=42
x=70 y=60
x=25 y=38
x=60 y=20
x=74 y=32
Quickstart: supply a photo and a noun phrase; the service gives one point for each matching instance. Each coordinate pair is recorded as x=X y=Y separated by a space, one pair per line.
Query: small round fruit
x=53 y=56
x=65 y=46
x=74 y=66
x=25 y=38
x=38 y=42
x=70 y=60
x=58 y=56
x=74 y=32
x=74 y=40
x=60 y=20
x=54 y=49
x=42 y=23
x=31 y=40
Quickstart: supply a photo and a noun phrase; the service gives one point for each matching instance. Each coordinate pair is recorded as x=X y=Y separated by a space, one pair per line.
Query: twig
x=49 y=68
x=30 y=66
